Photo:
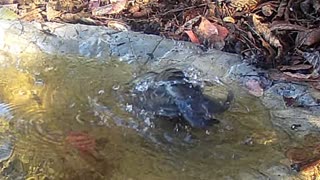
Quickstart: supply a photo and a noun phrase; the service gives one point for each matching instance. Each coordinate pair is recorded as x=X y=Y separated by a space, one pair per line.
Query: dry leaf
x=192 y=37
x=7 y=14
x=267 y=10
x=141 y=13
x=297 y=75
x=33 y=15
x=281 y=9
x=254 y=87
x=51 y=12
x=73 y=18
x=241 y=5
x=207 y=29
x=6 y=1
x=93 y=4
x=308 y=37
x=287 y=76
x=187 y=25
x=285 y=26
x=266 y=33
x=211 y=34
x=118 y=6
x=296 y=67
x=13 y=7
x=120 y=26
x=135 y=8
x=114 y=8
x=229 y=19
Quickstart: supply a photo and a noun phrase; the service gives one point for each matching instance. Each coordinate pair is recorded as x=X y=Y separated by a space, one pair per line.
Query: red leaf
x=207 y=29
x=192 y=37
x=81 y=141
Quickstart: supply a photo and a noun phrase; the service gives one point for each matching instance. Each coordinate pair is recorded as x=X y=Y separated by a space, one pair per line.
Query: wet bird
x=171 y=94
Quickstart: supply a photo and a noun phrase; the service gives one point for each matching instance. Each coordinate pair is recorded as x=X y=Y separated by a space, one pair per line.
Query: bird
x=170 y=94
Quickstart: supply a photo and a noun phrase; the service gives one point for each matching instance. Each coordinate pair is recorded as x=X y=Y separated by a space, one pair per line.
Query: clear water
x=47 y=102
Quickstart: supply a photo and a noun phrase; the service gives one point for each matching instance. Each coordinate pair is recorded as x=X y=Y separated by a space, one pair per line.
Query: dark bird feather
x=170 y=94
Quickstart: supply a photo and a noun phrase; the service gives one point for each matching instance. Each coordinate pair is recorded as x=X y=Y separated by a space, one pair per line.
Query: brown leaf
x=281 y=9
x=229 y=19
x=296 y=67
x=207 y=29
x=141 y=13
x=266 y=33
x=297 y=75
x=277 y=76
x=267 y=10
x=120 y=26
x=212 y=34
x=308 y=37
x=254 y=87
x=51 y=12
x=33 y=15
x=114 y=8
x=187 y=25
x=73 y=18
x=93 y=4
x=118 y=6
x=135 y=8
x=241 y=5
x=284 y=26
x=6 y=2
x=192 y=37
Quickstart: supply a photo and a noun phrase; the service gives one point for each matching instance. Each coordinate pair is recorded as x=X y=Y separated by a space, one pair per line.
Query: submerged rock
x=171 y=94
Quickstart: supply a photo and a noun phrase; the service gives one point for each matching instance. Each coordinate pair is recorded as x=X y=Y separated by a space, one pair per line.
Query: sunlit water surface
x=47 y=100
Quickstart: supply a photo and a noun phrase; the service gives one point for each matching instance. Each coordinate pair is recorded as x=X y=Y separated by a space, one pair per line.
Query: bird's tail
x=229 y=99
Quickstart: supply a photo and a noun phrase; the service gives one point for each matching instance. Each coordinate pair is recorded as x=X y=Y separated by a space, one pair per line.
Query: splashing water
x=44 y=99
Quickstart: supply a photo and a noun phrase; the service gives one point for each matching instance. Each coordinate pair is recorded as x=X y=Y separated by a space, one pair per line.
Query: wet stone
x=6 y=150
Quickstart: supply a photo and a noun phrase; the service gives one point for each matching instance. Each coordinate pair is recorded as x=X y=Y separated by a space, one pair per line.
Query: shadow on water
x=60 y=119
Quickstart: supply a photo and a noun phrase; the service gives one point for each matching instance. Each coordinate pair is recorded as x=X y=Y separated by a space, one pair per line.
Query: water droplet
x=129 y=107
x=100 y=92
x=72 y=105
x=22 y=92
x=48 y=69
x=208 y=132
x=39 y=82
x=147 y=121
x=116 y=87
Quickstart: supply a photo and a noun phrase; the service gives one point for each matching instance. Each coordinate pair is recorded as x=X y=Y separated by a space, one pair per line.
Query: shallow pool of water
x=62 y=119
